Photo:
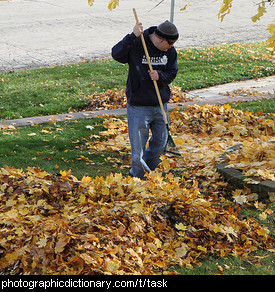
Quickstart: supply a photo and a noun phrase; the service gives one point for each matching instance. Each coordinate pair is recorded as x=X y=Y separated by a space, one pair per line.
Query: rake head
x=171 y=146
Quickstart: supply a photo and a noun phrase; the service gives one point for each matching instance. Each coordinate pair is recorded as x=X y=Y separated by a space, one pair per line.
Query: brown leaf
x=63 y=240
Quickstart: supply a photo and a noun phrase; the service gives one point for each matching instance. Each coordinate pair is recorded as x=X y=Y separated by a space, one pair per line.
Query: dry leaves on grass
x=113 y=99
x=201 y=133
x=218 y=121
x=204 y=132
x=56 y=224
x=254 y=159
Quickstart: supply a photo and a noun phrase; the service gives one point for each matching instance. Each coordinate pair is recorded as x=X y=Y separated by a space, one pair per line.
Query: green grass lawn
x=55 y=147
x=264 y=105
x=62 y=89
x=258 y=263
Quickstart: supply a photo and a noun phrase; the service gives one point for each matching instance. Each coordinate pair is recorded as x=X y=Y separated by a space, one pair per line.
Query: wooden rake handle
x=151 y=68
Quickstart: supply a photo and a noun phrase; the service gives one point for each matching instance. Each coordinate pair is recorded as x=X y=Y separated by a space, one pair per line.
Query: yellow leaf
x=269 y=211
x=151 y=234
x=184 y=8
x=24 y=211
x=230 y=230
x=160 y=264
x=227 y=106
x=271 y=39
x=225 y=9
x=19 y=232
x=113 y=4
x=66 y=174
x=202 y=248
x=262 y=231
x=259 y=205
x=12 y=214
x=158 y=243
x=182 y=251
x=263 y=216
x=271 y=28
x=112 y=266
x=165 y=164
x=42 y=242
x=180 y=227
x=91 y=2
x=261 y=11
x=63 y=172
x=86 y=180
x=52 y=120
x=12 y=256
x=216 y=228
x=82 y=199
x=11 y=203
x=137 y=208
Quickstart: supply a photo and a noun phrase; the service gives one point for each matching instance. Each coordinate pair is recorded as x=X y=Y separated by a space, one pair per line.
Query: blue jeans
x=140 y=120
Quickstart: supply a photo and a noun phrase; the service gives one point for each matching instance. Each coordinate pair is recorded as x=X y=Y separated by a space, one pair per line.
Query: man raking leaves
x=144 y=109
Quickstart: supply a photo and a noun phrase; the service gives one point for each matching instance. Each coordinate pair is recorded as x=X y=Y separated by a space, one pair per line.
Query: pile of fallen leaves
x=218 y=121
x=57 y=224
x=254 y=159
x=113 y=99
x=202 y=133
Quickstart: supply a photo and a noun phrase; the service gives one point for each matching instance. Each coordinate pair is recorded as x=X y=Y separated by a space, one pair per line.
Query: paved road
x=37 y=33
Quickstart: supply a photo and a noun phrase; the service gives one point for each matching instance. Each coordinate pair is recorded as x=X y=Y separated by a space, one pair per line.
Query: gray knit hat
x=167 y=31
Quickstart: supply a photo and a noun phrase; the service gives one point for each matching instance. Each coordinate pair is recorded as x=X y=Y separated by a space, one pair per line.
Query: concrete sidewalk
x=38 y=33
x=212 y=95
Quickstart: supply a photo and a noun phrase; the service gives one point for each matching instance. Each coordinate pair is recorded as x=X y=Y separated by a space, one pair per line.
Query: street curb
x=32 y=121
x=236 y=178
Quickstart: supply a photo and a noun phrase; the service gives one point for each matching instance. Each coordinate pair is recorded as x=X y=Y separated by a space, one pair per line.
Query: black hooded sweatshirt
x=140 y=90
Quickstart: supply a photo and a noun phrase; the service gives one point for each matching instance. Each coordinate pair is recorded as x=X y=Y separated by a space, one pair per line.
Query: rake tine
x=170 y=142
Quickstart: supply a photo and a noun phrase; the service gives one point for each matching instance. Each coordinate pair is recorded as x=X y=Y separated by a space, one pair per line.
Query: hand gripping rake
x=170 y=144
